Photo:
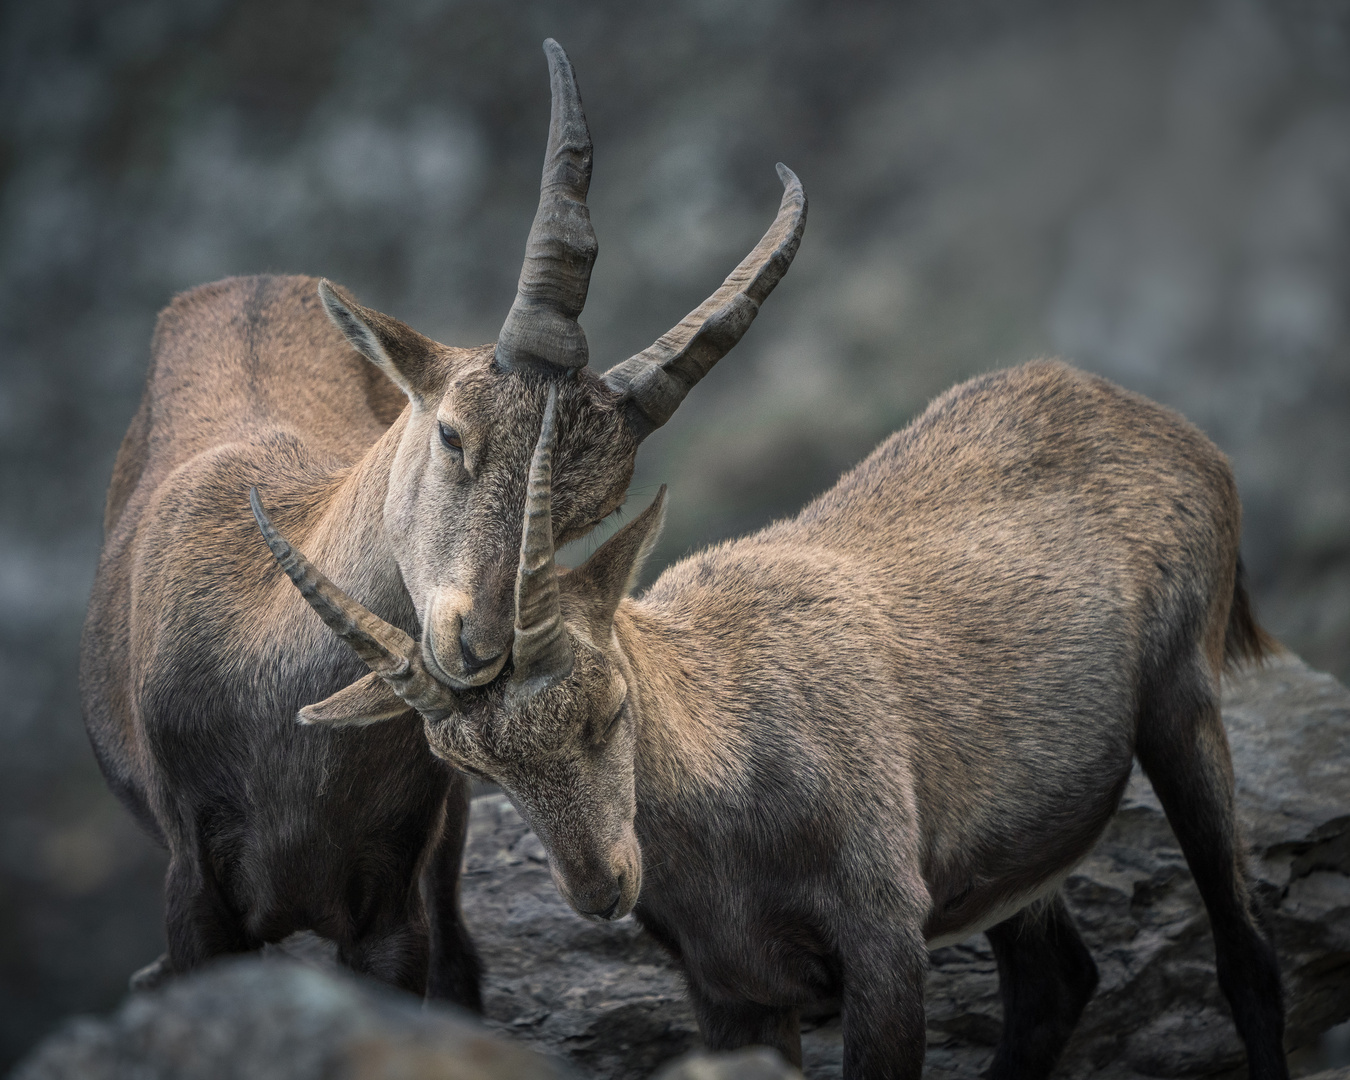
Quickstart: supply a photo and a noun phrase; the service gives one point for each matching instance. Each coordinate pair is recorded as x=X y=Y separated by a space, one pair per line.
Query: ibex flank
x=902 y=717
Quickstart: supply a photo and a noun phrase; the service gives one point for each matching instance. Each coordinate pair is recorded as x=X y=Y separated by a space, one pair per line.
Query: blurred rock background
x=1158 y=190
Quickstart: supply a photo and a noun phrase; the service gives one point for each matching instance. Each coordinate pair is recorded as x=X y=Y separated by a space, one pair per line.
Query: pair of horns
x=541 y=329
x=541 y=654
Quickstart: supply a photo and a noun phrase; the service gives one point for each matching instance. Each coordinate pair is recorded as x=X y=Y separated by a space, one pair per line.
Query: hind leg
x=456 y=972
x=1045 y=978
x=1184 y=751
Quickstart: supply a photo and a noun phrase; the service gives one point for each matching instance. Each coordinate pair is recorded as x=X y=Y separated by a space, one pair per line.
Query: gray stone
x=277 y=1019
x=752 y=1063
x=607 y=998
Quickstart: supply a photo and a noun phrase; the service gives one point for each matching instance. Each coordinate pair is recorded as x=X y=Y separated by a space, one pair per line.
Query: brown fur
x=902 y=716
x=196 y=657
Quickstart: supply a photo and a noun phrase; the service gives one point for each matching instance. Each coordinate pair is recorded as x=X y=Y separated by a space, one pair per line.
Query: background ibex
x=895 y=720
x=408 y=477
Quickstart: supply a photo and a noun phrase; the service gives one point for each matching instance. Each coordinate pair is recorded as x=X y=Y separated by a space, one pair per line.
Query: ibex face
x=456 y=487
x=564 y=755
x=456 y=490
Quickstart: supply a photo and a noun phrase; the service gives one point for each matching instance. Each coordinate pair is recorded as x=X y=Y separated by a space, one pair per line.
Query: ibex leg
x=394 y=953
x=198 y=920
x=456 y=972
x=729 y=1025
x=884 y=1027
x=1045 y=978
x=1183 y=748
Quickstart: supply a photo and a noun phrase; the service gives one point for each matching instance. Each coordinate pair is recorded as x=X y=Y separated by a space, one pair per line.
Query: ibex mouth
x=479 y=676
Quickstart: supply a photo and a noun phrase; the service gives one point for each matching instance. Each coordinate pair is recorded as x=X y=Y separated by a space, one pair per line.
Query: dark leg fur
x=1045 y=978
x=729 y=1025
x=456 y=971
x=1183 y=748
x=198 y=920
x=395 y=954
x=885 y=1036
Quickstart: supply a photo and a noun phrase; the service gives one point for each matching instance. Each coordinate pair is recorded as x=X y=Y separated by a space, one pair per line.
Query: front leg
x=455 y=969
x=885 y=1035
x=730 y=1023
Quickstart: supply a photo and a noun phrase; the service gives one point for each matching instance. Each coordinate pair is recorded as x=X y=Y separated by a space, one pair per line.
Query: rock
x=276 y=1019
x=608 y=999
x=753 y=1063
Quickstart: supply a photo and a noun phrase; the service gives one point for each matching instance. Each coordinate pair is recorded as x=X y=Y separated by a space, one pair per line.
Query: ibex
x=900 y=718
x=406 y=472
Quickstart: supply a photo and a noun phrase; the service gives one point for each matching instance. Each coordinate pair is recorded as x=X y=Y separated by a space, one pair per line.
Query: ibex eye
x=613 y=722
x=450 y=438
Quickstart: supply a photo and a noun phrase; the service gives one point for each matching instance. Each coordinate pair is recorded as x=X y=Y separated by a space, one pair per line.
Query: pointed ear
x=407 y=357
x=367 y=701
x=612 y=572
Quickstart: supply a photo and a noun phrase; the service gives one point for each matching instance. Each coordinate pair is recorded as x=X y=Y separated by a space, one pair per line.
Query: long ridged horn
x=541 y=328
x=541 y=653
x=386 y=649
x=656 y=380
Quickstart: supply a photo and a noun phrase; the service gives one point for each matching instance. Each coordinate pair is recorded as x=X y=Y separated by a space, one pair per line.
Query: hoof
x=154 y=974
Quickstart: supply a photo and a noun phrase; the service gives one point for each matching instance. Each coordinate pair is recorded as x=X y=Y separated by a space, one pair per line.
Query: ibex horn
x=655 y=381
x=541 y=328
x=541 y=654
x=388 y=651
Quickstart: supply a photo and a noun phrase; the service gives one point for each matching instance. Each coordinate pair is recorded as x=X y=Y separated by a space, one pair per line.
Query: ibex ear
x=407 y=357
x=612 y=572
x=367 y=701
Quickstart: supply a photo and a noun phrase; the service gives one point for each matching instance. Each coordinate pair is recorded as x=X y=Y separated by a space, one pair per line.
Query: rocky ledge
x=603 y=1001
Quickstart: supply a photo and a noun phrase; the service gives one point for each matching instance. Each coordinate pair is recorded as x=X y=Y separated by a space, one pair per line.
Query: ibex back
x=407 y=473
x=895 y=720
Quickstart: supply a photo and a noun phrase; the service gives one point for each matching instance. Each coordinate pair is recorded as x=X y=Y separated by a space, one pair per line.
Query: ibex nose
x=472 y=662
x=602 y=903
x=608 y=910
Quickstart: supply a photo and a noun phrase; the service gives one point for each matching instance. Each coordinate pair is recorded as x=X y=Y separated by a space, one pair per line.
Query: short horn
x=541 y=329
x=656 y=380
x=386 y=649
x=541 y=653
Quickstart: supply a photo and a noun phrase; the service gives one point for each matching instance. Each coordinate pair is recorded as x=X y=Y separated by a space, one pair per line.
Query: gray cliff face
x=605 y=998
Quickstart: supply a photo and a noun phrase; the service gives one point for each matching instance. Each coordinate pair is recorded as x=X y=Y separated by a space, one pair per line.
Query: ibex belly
x=978 y=893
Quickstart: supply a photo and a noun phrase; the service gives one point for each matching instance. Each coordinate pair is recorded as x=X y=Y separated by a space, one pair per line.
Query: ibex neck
x=344 y=533
x=685 y=742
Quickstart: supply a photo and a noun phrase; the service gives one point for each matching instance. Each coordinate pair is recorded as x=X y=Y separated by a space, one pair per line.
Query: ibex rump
x=410 y=482
x=897 y=719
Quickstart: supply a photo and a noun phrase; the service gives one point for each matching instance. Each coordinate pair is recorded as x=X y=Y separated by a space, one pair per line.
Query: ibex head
x=558 y=731
x=456 y=486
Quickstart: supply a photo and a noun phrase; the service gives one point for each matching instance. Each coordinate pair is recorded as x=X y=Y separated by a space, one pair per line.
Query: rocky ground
x=605 y=998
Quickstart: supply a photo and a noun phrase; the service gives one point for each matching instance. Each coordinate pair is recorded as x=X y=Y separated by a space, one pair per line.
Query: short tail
x=1244 y=640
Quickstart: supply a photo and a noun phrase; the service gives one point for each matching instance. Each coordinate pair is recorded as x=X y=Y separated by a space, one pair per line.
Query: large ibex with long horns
x=896 y=720
x=406 y=474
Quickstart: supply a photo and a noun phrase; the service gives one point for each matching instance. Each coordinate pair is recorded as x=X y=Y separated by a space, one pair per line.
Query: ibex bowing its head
x=899 y=718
